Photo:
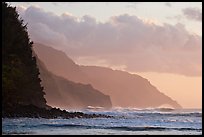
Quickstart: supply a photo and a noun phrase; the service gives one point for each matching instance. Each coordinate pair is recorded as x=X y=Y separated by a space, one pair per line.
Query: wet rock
x=32 y=111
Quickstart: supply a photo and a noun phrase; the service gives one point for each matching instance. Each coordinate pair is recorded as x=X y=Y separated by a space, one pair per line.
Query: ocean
x=126 y=121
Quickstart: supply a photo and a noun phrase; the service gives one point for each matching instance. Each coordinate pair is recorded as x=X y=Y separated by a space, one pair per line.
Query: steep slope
x=22 y=94
x=125 y=89
x=59 y=63
x=63 y=93
x=20 y=82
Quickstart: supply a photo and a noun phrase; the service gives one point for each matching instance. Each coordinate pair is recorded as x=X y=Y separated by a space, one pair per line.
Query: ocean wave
x=65 y=125
x=133 y=109
x=121 y=128
x=170 y=114
x=152 y=128
x=136 y=114
x=17 y=133
x=143 y=112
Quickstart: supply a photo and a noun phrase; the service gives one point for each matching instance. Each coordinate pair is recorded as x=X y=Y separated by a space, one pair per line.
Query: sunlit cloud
x=139 y=45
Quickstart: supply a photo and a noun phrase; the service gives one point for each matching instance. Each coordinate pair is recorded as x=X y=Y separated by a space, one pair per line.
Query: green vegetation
x=20 y=75
x=22 y=93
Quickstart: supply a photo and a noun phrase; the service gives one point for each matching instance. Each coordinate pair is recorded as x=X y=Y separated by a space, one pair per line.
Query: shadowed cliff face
x=63 y=93
x=125 y=89
x=20 y=82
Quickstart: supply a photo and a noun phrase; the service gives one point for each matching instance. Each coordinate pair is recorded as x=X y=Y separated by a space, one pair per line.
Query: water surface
x=126 y=121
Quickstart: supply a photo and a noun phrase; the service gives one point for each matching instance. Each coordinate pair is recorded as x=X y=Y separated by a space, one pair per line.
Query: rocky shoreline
x=31 y=111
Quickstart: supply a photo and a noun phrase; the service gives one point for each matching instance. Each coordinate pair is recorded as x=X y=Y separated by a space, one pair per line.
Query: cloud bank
x=135 y=44
x=193 y=13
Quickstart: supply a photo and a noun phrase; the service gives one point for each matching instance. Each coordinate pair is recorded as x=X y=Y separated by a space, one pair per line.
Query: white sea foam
x=125 y=121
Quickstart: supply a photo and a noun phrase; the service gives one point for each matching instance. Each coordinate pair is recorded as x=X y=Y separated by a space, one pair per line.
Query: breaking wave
x=122 y=128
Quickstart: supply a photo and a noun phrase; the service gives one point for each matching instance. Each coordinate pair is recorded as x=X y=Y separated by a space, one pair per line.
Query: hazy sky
x=160 y=41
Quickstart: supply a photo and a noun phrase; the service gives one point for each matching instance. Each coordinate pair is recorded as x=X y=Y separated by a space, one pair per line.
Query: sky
x=161 y=41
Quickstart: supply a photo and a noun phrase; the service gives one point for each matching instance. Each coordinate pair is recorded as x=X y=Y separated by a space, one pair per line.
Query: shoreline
x=31 y=111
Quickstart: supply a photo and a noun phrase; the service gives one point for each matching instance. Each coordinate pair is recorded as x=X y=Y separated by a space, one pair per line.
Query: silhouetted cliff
x=125 y=89
x=22 y=94
x=63 y=93
x=20 y=81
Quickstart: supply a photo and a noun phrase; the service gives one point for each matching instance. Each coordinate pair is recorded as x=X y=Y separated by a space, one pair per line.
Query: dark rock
x=32 y=111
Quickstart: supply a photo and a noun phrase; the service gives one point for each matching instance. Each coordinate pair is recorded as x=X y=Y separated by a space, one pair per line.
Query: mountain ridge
x=124 y=88
x=66 y=94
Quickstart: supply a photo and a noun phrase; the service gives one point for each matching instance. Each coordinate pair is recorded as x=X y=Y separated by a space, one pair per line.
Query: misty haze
x=69 y=68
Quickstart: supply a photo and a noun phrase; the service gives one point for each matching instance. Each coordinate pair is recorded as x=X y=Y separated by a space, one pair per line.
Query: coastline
x=31 y=111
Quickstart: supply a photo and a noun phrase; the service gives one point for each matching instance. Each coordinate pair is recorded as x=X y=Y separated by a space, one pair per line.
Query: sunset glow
x=101 y=68
x=159 y=41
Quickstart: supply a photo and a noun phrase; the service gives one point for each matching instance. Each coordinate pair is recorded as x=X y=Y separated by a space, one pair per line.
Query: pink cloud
x=122 y=41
